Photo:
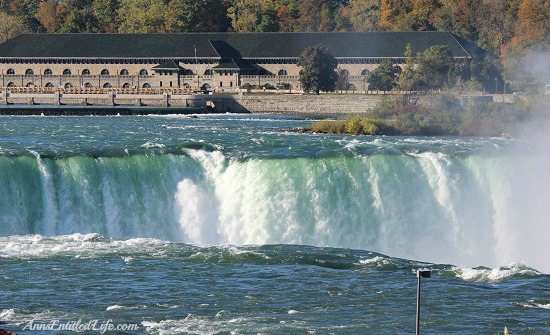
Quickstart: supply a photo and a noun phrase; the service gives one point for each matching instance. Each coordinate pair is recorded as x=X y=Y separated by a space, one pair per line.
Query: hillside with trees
x=512 y=29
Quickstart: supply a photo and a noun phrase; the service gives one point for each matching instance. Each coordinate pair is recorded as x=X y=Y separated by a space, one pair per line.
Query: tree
x=392 y=13
x=365 y=14
x=245 y=15
x=384 y=77
x=196 y=16
x=457 y=16
x=142 y=16
x=47 y=15
x=486 y=72
x=10 y=26
x=408 y=80
x=310 y=15
x=286 y=18
x=317 y=73
x=532 y=26
x=79 y=21
x=495 y=23
x=106 y=14
x=435 y=67
x=408 y=14
x=25 y=10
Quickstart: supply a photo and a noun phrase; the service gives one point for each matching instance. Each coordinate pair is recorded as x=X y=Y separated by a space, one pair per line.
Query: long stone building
x=201 y=61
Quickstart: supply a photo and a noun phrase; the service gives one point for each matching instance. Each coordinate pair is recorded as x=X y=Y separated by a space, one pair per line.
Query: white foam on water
x=120 y=307
x=532 y=304
x=374 y=260
x=493 y=275
x=150 y=144
x=7 y=314
x=75 y=245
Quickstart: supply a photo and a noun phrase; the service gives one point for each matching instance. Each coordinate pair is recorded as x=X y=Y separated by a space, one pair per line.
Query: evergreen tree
x=384 y=77
x=318 y=69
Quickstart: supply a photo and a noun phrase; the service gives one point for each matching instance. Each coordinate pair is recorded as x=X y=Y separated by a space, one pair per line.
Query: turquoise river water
x=238 y=224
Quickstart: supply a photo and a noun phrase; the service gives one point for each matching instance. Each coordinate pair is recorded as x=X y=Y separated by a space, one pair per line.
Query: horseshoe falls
x=248 y=197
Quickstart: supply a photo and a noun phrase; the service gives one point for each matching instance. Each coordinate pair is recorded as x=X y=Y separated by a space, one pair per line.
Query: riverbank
x=440 y=115
x=223 y=103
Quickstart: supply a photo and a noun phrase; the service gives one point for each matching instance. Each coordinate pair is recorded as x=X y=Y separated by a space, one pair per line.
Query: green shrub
x=328 y=127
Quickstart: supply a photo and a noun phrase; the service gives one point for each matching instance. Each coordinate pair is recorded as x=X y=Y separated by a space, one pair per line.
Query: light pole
x=496 y=91
x=420 y=274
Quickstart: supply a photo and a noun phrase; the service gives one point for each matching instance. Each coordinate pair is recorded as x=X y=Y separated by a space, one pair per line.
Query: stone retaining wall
x=218 y=103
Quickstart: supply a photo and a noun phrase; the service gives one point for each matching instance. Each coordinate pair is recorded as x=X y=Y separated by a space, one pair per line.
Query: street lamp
x=420 y=274
x=496 y=90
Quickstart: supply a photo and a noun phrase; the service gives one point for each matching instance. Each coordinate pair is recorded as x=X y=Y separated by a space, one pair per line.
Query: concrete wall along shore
x=221 y=103
x=217 y=103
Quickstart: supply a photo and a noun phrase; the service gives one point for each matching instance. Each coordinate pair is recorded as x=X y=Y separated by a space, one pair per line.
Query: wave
x=489 y=275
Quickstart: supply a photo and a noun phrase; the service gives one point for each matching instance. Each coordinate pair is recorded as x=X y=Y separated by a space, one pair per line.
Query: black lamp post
x=420 y=274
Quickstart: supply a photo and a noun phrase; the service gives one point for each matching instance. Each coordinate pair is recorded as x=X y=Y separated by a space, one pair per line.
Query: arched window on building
x=282 y=72
x=10 y=84
x=123 y=72
x=85 y=72
x=146 y=85
x=67 y=72
x=365 y=72
x=143 y=72
x=48 y=72
x=352 y=87
x=68 y=85
x=107 y=85
x=29 y=72
x=10 y=71
x=30 y=84
x=209 y=72
x=88 y=85
x=104 y=72
x=344 y=73
x=126 y=85
x=49 y=85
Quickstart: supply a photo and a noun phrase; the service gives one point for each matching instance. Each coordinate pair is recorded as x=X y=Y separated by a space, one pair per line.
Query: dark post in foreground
x=420 y=274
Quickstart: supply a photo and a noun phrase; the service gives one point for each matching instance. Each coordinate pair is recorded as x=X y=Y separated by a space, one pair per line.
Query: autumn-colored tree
x=365 y=14
x=24 y=10
x=10 y=26
x=286 y=18
x=456 y=16
x=532 y=26
x=392 y=13
x=310 y=15
x=342 y=17
x=327 y=22
x=495 y=23
x=408 y=14
x=47 y=15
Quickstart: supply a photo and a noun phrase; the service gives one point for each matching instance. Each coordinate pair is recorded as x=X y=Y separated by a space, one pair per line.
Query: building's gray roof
x=170 y=65
x=227 y=45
